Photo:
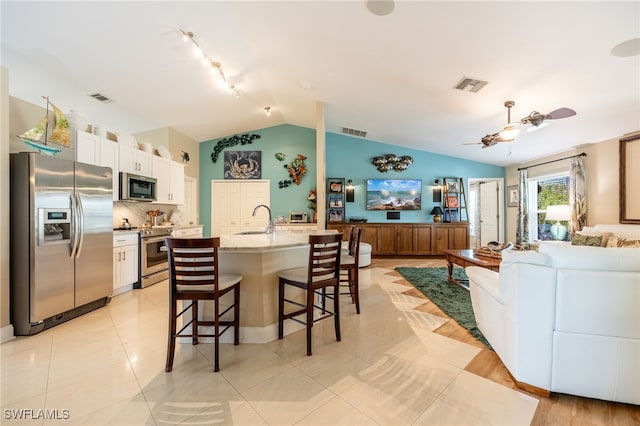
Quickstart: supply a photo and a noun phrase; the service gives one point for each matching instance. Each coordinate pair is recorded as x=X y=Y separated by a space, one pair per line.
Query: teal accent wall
x=347 y=157
x=287 y=139
x=350 y=158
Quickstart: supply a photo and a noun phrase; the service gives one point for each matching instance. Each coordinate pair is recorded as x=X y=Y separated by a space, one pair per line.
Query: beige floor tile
x=237 y=412
x=336 y=412
x=87 y=396
x=132 y=412
x=23 y=412
x=287 y=397
x=441 y=413
x=489 y=401
x=178 y=396
x=433 y=345
x=246 y=365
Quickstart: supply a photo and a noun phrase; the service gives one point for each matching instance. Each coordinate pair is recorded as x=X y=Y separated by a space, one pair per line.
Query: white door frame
x=501 y=205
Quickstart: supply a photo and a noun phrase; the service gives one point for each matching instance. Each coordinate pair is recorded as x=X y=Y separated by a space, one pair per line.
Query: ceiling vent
x=354 y=132
x=102 y=98
x=470 y=84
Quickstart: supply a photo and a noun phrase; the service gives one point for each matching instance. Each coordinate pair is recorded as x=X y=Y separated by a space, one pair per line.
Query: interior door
x=489 y=212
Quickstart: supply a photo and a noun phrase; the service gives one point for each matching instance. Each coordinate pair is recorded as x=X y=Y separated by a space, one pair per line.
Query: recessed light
x=627 y=48
x=381 y=7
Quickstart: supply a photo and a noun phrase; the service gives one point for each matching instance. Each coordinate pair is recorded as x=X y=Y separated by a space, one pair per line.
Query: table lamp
x=558 y=213
x=436 y=211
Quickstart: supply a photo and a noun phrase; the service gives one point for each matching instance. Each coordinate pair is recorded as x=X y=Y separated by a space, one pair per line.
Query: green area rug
x=452 y=299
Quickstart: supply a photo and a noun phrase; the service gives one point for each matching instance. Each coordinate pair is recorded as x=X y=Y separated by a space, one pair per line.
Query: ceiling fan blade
x=561 y=113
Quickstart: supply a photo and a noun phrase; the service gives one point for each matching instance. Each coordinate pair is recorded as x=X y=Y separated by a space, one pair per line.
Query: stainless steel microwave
x=137 y=188
x=298 y=217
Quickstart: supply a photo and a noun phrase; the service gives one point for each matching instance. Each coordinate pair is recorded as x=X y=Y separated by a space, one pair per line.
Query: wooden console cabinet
x=409 y=239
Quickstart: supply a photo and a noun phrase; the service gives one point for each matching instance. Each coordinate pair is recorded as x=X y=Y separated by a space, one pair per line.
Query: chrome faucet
x=270 y=226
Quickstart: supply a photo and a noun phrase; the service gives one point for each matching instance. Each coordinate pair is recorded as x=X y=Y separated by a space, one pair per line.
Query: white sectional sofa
x=566 y=318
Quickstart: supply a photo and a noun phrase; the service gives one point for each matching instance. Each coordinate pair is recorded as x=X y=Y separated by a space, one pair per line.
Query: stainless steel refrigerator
x=61 y=240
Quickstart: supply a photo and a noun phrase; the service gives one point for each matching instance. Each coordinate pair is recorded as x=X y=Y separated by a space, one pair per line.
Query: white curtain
x=578 y=194
x=522 y=231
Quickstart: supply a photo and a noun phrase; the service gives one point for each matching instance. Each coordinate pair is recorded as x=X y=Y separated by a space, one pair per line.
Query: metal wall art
x=387 y=162
x=297 y=168
x=243 y=165
x=232 y=141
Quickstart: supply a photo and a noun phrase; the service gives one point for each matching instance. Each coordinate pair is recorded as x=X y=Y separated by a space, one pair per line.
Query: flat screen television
x=394 y=194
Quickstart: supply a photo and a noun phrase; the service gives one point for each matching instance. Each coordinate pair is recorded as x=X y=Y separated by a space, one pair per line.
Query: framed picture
x=243 y=164
x=335 y=215
x=452 y=187
x=335 y=186
x=452 y=201
x=513 y=196
x=335 y=201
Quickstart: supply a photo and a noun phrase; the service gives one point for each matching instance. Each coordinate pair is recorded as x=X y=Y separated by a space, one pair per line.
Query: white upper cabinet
x=87 y=147
x=170 y=176
x=109 y=157
x=133 y=160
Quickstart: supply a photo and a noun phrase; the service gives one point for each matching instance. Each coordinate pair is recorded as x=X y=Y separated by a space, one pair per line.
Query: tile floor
x=107 y=367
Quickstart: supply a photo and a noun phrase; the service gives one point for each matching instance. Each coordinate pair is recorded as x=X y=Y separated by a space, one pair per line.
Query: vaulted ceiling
x=392 y=76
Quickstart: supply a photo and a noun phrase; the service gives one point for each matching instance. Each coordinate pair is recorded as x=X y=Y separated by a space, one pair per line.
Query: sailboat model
x=40 y=137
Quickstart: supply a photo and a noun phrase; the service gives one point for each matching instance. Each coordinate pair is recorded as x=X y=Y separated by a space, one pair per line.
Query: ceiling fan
x=507 y=134
x=537 y=120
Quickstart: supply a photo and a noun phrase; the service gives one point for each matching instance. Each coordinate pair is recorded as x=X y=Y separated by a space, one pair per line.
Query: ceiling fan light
x=508 y=133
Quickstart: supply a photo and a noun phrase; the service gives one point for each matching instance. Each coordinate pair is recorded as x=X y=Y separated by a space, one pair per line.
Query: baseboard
x=530 y=388
x=6 y=333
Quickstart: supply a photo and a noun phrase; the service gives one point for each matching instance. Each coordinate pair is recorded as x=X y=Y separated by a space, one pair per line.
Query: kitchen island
x=259 y=258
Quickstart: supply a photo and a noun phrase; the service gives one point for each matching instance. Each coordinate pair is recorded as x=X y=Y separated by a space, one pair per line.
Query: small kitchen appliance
x=298 y=217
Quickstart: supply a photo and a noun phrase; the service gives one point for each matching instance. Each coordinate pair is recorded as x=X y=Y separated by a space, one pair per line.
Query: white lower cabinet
x=125 y=261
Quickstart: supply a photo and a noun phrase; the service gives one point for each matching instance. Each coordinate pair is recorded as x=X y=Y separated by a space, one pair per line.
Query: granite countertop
x=266 y=242
x=126 y=231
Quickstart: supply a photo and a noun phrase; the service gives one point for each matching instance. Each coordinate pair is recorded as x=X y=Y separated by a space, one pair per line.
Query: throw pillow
x=623 y=242
x=605 y=235
x=586 y=240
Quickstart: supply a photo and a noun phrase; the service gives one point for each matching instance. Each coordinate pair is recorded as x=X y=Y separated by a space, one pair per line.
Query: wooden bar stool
x=194 y=276
x=349 y=264
x=321 y=273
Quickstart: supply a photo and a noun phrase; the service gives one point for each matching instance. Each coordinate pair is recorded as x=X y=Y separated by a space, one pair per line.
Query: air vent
x=102 y=98
x=354 y=132
x=470 y=84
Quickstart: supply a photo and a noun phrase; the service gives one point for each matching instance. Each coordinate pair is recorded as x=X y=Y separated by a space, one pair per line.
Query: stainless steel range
x=154 y=264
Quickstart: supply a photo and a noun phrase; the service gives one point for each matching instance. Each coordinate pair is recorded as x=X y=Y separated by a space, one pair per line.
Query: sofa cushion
x=591 y=258
x=604 y=236
x=618 y=229
x=623 y=242
x=586 y=240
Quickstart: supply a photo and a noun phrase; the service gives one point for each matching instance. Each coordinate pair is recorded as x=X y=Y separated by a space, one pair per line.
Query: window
x=546 y=191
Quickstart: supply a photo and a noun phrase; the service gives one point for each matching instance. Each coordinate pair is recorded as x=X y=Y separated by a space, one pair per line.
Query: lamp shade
x=558 y=213
x=436 y=210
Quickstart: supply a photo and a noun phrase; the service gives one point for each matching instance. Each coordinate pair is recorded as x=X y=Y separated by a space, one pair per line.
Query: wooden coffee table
x=467 y=257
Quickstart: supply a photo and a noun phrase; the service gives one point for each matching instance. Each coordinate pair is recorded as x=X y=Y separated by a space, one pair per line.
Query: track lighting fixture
x=216 y=67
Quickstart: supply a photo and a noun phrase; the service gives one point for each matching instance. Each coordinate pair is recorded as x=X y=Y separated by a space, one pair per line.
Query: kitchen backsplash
x=137 y=212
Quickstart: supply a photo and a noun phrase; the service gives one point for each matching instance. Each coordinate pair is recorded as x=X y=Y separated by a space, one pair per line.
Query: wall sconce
x=350 y=191
x=437 y=192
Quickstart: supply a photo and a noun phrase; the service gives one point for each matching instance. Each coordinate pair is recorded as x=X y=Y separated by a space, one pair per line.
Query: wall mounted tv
x=394 y=194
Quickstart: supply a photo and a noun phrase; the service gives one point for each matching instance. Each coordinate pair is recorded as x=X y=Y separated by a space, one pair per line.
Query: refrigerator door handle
x=80 y=211
x=74 y=219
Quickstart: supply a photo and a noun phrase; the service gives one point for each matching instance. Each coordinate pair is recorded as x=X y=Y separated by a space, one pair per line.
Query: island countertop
x=267 y=242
